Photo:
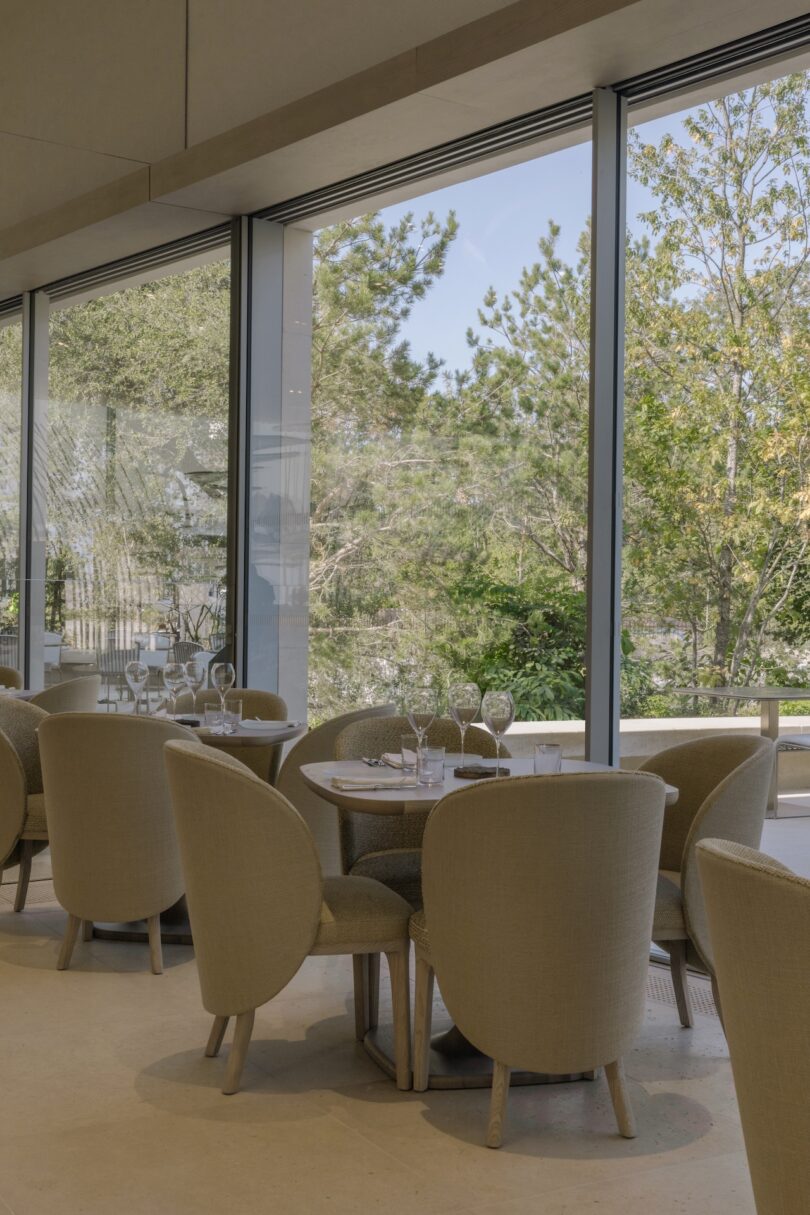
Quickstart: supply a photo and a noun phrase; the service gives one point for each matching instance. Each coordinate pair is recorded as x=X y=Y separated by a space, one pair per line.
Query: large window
x=450 y=424
x=717 y=487
x=137 y=466
x=10 y=434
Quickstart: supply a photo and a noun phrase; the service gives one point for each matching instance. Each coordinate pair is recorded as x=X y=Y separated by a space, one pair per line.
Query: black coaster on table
x=478 y=772
x=188 y=721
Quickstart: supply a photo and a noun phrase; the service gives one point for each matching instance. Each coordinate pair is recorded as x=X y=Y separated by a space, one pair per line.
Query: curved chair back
x=253 y=882
x=20 y=772
x=263 y=760
x=539 y=895
x=318 y=746
x=12 y=799
x=759 y=919
x=72 y=696
x=362 y=834
x=19 y=721
x=113 y=844
x=10 y=677
x=733 y=809
x=184 y=651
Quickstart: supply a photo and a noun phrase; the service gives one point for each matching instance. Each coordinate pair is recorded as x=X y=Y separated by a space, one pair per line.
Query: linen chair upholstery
x=723 y=784
x=258 y=904
x=318 y=746
x=264 y=761
x=759 y=921
x=538 y=903
x=23 y=828
x=10 y=677
x=113 y=843
x=72 y=696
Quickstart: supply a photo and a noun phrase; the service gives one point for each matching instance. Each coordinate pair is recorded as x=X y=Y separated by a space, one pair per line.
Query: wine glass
x=136 y=674
x=223 y=677
x=498 y=712
x=173 y=680
x=421 y=707
x=463 y=701
x=194 y=673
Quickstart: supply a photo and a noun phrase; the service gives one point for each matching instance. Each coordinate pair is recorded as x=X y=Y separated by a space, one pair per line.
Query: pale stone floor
x=110 y=1108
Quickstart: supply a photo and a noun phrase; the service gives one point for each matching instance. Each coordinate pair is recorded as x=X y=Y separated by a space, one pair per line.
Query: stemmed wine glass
x=421 y=707
x=223 y=677
x=194 y=673
x=173 y=680
x=498 y=712
x=463 y=701
x=136 y=674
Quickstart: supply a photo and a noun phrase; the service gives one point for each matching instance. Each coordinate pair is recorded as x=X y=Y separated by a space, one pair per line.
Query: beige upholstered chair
x=759 y=921
x=23 y=829
x=723 y=784
x=318 y=746
x=113 y=845
x=259 y=905
x=10 y=677
x=72 y=696
x=264 y=761
x=539 y=894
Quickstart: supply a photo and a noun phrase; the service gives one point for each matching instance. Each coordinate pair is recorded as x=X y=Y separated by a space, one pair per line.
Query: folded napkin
x=346 y=783
x=394 y=758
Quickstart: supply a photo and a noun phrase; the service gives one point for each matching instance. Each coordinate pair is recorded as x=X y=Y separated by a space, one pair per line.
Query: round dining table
x=454 y=1062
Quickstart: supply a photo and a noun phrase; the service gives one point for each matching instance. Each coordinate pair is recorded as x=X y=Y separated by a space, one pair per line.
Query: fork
x=373 y=763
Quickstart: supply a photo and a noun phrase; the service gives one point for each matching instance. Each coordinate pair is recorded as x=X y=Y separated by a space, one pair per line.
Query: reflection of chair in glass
x=259 y=905
x=113 y=845
x=10 y=677
x=23 y=829
x=539 y=894
x=218 y=641
x=112 y=665
x=722 y=784
x=73 y=696
x=52 y=651
x=759 y=923
x=184 y=651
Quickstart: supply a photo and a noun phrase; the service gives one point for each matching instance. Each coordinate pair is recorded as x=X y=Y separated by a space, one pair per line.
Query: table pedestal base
x=456 y=1070
x=174 y=928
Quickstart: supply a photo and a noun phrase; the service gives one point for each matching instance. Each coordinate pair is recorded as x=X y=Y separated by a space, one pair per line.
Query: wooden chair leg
x=373 y=980
x=422 y=1023
x=87 y=930
x=216 y=1036
x=68 y=941
x=155 y=944
x=677 y=966
x=239 y=1050
x=497 y=1104
x=360 y=996
x=26 y=857
x=401 y=1002
x=621 y=1099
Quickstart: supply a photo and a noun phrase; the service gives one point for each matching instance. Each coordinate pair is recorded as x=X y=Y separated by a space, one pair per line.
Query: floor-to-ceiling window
x=137 y=473
x=450 y=443
x=717 y=460
x=10 y=436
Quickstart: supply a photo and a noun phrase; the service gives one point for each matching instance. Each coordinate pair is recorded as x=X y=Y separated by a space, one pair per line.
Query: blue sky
x=501 y=217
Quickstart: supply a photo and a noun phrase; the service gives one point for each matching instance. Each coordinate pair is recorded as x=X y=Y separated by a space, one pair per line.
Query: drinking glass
x=173 y=680
x=223 y=677
x=409 y=749
x=430 y=765
x=498 y=712
x=194 y=673
x=231 y=716
x=463 y=701
x=547 y=759
x=136 y=674
x=213 y=719
x=421 y=707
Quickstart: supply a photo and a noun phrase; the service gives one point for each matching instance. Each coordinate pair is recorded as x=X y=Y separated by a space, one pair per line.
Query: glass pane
x=137 y=443
x=716 y=585
x=10 y=433
x=450 y=443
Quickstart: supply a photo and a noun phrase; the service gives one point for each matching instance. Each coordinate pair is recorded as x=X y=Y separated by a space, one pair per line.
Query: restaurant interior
x=405 y=607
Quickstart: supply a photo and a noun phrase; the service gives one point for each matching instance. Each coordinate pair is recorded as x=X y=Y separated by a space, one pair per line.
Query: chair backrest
x=759 y=919
x=361 y=834
x=695 y=768
x=72 y=696
x=113 y=844
x=253 y=883
x=263 y=760
x=19 y=721
x=539 y=894
x=318 y=746
x=10 y=677
x=12 y=798
x=114 y=662
x=184 y=651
